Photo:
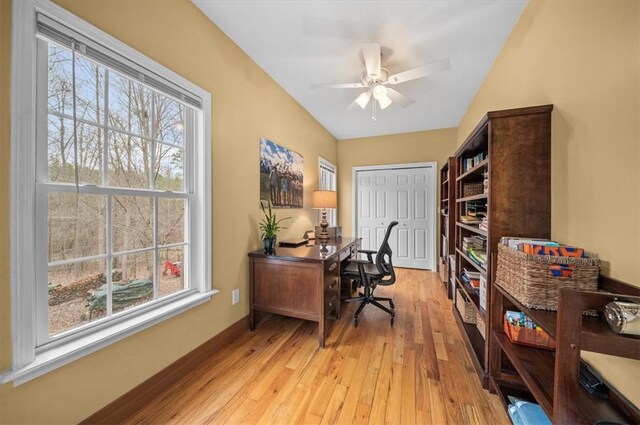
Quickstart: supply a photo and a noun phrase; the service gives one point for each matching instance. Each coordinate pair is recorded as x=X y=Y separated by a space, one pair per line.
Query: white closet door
x=404 y=195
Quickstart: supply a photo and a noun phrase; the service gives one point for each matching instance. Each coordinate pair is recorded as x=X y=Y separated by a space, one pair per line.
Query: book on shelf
x=478 y=256
x=469 y=163
x=469 y=219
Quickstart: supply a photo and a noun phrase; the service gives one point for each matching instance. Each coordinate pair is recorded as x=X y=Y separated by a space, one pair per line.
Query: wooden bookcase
x=447 y=225
x=551 y=379
x=516 y=148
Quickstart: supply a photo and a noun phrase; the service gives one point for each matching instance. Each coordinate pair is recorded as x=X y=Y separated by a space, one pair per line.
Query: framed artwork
x=281 y=178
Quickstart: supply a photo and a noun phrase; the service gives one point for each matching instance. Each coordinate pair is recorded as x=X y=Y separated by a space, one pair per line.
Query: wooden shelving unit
x=447 y=223
x=516 y=161
x=551 y=378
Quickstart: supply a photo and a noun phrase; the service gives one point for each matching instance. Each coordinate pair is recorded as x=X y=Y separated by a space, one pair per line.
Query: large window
x=111 y=145
x=327 y=181
x=119 y=223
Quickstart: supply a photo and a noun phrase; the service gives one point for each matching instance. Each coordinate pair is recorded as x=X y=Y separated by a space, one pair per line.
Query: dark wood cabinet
x=550 y=377
x=504 y=166
x=447 y=224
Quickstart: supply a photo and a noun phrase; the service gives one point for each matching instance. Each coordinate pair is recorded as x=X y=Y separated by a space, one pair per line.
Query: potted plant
x=270 y=226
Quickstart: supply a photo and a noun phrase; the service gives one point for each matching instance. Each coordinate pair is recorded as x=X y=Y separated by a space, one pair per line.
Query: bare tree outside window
x=128 y=136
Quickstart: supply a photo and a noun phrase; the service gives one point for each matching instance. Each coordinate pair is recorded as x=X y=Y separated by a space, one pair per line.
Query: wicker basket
x=465 y=308
x=528 y=279
x=481 y=328
x=473 y=188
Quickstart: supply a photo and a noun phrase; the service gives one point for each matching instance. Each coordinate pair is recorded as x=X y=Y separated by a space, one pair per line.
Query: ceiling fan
x=375 y=79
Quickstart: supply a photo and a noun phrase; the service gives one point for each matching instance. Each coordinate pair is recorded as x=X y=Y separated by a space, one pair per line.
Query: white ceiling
x=299 y=43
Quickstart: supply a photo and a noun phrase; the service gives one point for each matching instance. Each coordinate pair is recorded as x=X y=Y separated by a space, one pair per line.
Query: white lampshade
x=384 y=101
x=363 y=99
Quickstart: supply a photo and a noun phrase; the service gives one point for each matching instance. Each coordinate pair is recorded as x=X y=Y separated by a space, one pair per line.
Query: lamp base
x=324 y=236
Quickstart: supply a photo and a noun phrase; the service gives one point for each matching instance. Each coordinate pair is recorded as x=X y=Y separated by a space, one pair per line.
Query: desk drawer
x=331 y=304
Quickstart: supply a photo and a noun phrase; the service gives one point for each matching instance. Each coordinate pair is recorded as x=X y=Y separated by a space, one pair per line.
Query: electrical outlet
x=235 y=296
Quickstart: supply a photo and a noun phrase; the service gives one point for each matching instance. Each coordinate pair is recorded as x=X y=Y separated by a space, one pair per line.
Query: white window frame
x=332 y=214
x=29 y=361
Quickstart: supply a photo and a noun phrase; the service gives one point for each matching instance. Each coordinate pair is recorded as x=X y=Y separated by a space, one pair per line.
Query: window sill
x=53 y=358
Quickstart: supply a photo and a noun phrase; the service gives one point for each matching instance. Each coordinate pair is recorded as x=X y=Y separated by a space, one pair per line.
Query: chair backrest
x=384 y=262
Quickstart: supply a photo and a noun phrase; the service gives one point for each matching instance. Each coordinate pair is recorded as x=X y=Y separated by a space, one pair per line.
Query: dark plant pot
x=269 y=245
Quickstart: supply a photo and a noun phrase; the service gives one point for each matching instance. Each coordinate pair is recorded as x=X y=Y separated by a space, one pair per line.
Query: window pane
x=119 y=99
x=171 y=221
x=60 y=82
x=132 y=223
x=77 y=225
x=128 y=161
x=129 y=105
x=132 y=280
x=60 y=150
x=171 y=271
x=169 y=120
x=74 y=294
x=168 y=168
x=89 y=90
x=140 y=110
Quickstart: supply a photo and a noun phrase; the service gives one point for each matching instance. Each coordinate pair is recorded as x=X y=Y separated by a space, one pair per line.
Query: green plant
x=270 y=225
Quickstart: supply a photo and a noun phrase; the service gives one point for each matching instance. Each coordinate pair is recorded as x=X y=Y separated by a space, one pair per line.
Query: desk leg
x=321 y=331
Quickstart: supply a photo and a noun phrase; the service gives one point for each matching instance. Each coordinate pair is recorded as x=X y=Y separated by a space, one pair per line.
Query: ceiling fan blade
x=420 y=72
x=399 y=98
x=371 y=55
x=337 y=86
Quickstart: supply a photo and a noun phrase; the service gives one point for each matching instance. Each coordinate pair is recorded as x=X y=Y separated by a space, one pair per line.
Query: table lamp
x=323 y=199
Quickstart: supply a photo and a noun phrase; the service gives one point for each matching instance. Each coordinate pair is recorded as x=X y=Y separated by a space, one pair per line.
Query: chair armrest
x=357 y=261
x=369 y=254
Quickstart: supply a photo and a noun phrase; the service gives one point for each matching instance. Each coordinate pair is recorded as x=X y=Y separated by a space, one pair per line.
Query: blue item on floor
x=523 y=412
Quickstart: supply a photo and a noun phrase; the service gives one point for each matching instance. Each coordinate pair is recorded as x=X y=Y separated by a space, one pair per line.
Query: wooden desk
x=302 y=282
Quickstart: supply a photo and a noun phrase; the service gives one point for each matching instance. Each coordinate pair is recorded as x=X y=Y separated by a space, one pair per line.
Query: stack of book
x=471 y=278
x=476 y=249
x=484 y=224
x=469 y=163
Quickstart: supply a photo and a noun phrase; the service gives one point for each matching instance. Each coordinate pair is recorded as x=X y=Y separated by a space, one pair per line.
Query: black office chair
x=370 y=274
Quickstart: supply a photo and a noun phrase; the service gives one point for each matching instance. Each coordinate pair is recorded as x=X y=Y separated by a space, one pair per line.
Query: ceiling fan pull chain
x=373 y=110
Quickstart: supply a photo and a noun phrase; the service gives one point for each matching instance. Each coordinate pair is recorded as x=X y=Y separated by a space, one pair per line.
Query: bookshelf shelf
x=473 y=263
x=507 y=140
x=551 y=378
x=447 y=225
x=471 y=228
x=473 y=296
x=473 y=198
x=474 y=172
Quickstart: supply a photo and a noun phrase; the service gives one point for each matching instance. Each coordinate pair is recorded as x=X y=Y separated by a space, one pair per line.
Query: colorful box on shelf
x=521 y=330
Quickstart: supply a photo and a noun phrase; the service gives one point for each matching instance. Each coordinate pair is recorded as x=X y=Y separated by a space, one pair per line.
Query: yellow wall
x=421 y=146
x=584 y=57
x=247 y=104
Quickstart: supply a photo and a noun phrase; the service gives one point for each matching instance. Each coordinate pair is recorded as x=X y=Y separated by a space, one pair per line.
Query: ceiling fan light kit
x=375 y=78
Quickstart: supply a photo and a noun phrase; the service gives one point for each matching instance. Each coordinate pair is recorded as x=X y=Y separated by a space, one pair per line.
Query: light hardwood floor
x=416 y=372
